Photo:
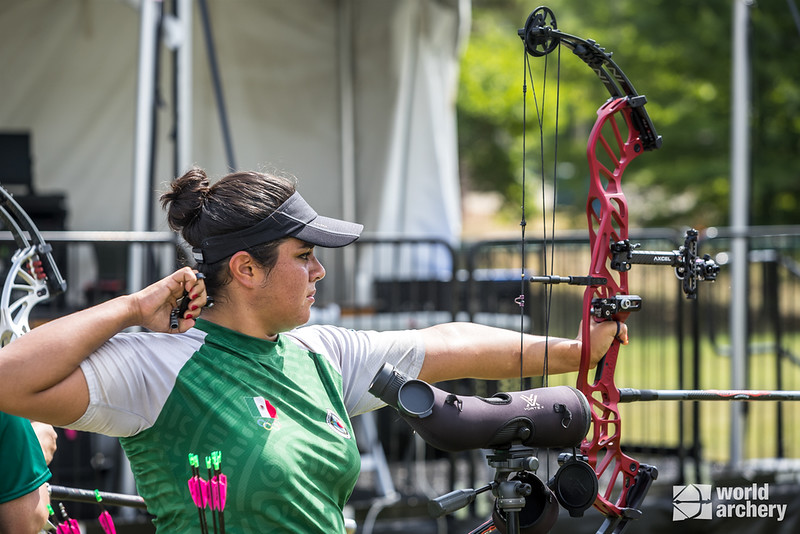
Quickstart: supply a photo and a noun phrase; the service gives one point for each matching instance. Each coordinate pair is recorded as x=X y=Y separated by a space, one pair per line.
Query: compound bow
x=622 y=132
x=33 y=276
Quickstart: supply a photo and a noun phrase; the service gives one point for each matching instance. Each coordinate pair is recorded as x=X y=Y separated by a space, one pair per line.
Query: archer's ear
x=244 y=269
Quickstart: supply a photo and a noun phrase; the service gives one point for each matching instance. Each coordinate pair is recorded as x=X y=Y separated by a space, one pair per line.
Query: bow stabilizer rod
x=642 y=395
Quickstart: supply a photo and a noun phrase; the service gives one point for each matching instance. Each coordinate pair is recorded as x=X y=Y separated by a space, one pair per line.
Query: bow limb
x=541 y=36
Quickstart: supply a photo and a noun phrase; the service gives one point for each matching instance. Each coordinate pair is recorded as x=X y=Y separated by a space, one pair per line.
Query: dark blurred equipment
x=48 y=212
x=16 y=163
x=544 y=417
x=511 y=424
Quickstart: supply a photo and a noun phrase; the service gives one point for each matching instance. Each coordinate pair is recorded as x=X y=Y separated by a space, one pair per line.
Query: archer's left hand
x=603 y=335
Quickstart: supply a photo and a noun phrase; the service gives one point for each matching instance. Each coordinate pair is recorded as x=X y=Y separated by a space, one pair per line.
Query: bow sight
x=689 y=267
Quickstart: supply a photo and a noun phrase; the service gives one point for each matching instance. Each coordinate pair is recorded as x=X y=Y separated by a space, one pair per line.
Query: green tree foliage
x=679 y=55
x=776 y=113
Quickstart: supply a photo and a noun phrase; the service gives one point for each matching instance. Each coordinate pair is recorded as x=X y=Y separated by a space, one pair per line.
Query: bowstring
x=549 y=288
x=523 y=223
x=540 y=116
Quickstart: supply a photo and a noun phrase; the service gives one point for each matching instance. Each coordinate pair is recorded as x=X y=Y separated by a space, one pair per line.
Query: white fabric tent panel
x=69 y=76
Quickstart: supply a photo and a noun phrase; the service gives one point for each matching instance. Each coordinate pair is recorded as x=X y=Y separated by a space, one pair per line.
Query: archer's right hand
x=154 y=304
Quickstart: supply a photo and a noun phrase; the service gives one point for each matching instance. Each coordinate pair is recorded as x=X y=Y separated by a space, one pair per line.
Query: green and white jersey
x=278 y=411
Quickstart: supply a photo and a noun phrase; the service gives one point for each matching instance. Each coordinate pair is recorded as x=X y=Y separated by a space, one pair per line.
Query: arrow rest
x=608 y=308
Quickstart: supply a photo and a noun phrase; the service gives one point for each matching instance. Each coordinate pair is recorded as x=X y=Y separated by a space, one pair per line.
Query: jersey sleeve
x=28 y=469
x=129 y=379
x=360 y=354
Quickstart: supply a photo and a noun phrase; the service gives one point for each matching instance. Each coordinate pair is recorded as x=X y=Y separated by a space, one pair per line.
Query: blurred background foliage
x=678 y=54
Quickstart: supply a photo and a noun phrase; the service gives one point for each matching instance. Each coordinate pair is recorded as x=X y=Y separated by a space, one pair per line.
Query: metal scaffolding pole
x=740 y=209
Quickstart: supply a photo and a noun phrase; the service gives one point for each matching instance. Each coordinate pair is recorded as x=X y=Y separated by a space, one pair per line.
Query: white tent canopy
x=353 y=97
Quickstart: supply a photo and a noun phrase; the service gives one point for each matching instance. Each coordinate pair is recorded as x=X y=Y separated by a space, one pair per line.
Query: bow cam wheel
x=538 y=33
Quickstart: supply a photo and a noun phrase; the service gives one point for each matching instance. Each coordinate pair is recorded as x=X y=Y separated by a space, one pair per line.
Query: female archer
x=245 y=378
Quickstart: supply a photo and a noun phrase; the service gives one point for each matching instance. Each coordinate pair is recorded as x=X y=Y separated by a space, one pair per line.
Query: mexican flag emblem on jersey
x=263 y=412
x=259 y=406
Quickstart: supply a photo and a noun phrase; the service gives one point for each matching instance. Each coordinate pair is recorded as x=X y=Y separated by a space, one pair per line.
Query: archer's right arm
x=42 y=379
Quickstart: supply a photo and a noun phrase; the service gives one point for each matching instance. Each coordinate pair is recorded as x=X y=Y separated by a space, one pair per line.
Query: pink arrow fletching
x=223 y=491
x=195 y=489
x=206 y=491
x=107 y=523
x=214 y=487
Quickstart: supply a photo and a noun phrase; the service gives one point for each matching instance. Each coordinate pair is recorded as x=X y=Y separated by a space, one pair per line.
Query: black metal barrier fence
x=412 y=283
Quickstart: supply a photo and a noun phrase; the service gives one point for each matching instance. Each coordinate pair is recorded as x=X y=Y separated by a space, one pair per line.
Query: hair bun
x=184 y=201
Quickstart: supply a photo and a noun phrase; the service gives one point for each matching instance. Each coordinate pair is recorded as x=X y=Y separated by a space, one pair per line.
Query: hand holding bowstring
x=172 y=304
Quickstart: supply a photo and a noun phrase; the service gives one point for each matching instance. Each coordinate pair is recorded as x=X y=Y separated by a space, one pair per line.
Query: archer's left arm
x=469 y=350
